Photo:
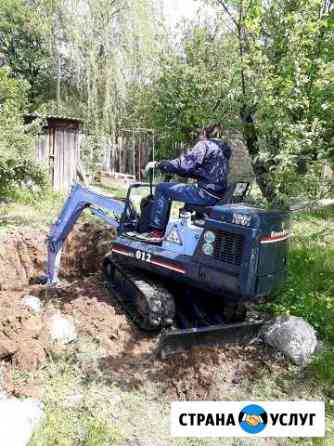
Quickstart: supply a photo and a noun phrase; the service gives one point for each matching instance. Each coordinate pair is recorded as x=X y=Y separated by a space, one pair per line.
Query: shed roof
x=63 y=117
x=55 y=120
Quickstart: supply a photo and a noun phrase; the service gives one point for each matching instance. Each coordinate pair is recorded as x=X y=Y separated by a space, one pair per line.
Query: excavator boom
x=79 y=199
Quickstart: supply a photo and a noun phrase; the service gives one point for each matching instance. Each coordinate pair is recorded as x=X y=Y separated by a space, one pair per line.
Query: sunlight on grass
x=66 y=424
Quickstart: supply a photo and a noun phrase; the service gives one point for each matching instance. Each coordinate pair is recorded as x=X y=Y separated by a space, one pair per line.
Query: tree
x=285 y=59
x=194 y=87
x=23 y=43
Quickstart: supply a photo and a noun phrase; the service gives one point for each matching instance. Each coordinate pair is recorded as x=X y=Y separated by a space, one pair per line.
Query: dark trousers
x=165 y=193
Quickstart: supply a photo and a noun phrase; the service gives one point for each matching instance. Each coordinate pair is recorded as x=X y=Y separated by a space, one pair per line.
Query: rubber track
x=130 y=286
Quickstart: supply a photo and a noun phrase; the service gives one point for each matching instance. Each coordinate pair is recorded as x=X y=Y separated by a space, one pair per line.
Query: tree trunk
x=261 y=169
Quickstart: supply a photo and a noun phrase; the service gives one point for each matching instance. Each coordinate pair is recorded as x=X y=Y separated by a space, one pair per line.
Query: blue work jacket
x=207 y=162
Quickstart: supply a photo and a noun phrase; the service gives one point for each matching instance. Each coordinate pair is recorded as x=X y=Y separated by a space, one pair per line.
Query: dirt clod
x=29 y=355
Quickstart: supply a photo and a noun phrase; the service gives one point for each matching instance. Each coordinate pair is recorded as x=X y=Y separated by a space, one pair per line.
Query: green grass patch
x=29 y=209
x=71 y=428
x=68 y=424
x=310 y=288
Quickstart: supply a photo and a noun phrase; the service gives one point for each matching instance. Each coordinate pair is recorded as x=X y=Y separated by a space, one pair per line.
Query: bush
x=17 y=166
x=22 y=173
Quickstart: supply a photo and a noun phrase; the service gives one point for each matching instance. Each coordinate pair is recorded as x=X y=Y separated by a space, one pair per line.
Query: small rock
x=19 y=420
x=62 y=329
x=32 y=302
x=292 y=336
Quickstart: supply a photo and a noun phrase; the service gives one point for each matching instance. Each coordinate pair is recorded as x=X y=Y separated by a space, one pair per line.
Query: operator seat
x=235 y=193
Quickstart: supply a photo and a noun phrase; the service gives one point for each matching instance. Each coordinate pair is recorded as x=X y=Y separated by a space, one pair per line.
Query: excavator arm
x=79 y=199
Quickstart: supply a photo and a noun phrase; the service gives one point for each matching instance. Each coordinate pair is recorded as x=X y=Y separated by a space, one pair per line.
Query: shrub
x=20 y=173
x=17 y=166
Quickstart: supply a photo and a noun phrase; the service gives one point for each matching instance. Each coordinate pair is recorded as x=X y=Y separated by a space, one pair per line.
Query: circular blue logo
x=253 y=419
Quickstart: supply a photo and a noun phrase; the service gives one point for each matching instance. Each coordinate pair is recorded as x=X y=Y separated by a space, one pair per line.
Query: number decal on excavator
x=144 y=256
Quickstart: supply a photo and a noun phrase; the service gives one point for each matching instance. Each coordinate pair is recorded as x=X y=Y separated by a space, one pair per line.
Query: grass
x=310 y=288
x=71 y=422
x=35 y=211
x=38 y=211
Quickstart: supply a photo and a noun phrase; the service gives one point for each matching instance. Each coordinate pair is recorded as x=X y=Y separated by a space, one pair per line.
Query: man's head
x=213 y=130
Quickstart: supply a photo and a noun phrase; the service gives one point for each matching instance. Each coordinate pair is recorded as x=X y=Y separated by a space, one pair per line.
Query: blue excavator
x=192 y=287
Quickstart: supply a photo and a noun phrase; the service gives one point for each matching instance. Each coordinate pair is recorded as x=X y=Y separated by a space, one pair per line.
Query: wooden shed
x=58 y=144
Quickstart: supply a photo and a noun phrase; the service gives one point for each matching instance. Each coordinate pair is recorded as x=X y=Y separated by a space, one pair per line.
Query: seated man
x=208 y=163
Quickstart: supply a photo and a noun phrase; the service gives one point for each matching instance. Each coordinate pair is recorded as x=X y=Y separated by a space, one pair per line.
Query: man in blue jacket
x=207 y=162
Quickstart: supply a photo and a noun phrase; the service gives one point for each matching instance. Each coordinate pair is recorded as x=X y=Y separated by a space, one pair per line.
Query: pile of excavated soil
x=22 y=337
x=99 y=317
x=127 y=356
x=85 y=249
x=22 y=255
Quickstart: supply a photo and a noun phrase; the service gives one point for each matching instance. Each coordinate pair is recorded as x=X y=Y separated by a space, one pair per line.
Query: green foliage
x=24 y=46
x=100 y=51
x=20 y=172
x=73 y=429
x=91 y=151
x=193 y=87
x=286 y=76
x=323 y=367
x=263 y=67
x=65 y=425
x=17 y=167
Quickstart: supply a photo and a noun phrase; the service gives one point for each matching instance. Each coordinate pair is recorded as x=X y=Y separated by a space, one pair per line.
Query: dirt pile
x=22 y=337
x=97 y=315
x=85 y=249
x=22 y=255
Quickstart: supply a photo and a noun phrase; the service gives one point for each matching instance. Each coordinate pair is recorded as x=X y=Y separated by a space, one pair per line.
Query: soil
x=22 y=255
x=120 y=351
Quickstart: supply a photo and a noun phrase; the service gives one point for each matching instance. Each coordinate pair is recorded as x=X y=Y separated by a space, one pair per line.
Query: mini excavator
x=192 y=288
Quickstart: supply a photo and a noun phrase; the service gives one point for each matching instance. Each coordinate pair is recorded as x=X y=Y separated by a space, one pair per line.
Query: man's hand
x=149 y=166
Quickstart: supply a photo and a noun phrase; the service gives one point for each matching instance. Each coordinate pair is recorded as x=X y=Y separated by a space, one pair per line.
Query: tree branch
x=228 y=12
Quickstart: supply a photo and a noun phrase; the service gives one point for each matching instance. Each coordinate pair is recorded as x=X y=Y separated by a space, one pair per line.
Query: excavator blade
x=174 y=341
x=190 y=323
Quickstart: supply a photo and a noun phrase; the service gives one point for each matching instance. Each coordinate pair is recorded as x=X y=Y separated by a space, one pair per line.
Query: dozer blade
x=180 y=340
